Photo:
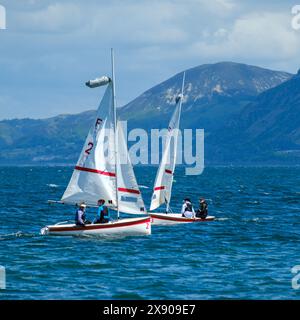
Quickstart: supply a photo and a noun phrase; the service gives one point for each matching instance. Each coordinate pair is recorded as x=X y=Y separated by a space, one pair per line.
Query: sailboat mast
x=182 y=87
x=115 y=124
x=180 y=103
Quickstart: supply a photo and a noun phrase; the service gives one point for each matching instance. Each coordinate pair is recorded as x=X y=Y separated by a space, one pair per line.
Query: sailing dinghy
x=104 y=171
x=165 y=174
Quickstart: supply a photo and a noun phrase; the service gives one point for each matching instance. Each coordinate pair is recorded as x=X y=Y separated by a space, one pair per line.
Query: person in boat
x=80 y=218
x=103 y=212
x=203 y=209
x=187 y=209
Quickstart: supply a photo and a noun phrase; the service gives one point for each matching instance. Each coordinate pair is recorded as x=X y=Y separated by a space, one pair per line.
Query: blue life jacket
x=100 y=209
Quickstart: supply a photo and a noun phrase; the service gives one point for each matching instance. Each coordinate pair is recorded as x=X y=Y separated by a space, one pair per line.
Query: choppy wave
x=15 y=235
x=222 y=219
x=143 y=187
x=247 y=253
x=52 y=185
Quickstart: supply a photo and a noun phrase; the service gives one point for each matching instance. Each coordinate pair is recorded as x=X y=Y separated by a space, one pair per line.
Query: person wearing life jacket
x=202 y=212
x=102 y=213
x=187 y=209
x=80 y=217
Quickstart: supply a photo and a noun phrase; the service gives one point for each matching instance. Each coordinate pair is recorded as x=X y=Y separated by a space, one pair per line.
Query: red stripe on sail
x=168 y=171
x=159 y=188
x=129 y=190
x=105 y=173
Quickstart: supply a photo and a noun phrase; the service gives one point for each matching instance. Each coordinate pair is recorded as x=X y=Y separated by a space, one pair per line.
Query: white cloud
x=56 y=45
x=265 y=37
x=57 y=17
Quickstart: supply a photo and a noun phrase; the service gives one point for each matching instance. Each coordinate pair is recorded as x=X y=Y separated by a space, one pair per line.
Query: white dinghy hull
x=175 y=218
x=122 y=227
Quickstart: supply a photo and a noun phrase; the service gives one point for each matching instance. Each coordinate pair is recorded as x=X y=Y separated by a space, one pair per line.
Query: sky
x=50 y=48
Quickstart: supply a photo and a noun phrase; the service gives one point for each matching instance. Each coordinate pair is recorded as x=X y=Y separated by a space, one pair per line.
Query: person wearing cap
x=203 y=209
x=103 y=213
x=187 y=209
x=80 y=215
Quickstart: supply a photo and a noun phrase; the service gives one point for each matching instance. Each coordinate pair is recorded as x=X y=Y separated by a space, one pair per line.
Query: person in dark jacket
x=80 y=217
x=202 y=212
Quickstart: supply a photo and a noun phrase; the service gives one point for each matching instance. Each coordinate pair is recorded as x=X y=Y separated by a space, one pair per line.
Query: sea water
x=247 y=253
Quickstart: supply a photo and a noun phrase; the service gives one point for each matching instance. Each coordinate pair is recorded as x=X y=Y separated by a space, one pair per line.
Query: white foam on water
x=52 y=185
x=18 y=234
x=144 y=187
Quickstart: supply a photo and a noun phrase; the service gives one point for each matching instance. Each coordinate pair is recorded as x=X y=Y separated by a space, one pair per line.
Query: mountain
x=54 y=140
x=218 y=98
x=213 y=94
x=267 y=128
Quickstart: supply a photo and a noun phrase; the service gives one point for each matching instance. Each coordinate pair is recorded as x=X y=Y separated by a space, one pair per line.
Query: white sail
x=164 y=178
x=129 y=195
x=94 y=176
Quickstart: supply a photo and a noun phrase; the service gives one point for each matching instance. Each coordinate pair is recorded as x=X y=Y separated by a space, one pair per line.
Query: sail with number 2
x=104 y=171
x=94 y=176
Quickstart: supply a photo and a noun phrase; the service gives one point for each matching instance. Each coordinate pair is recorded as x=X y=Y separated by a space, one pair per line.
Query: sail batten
x=105 y=173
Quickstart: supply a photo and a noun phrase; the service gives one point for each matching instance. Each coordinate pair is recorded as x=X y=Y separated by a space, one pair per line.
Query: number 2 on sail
x=90 y=147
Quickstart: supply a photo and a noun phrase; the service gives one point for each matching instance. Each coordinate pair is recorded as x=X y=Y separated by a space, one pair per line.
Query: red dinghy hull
x=174 y=218
x=123 y=227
